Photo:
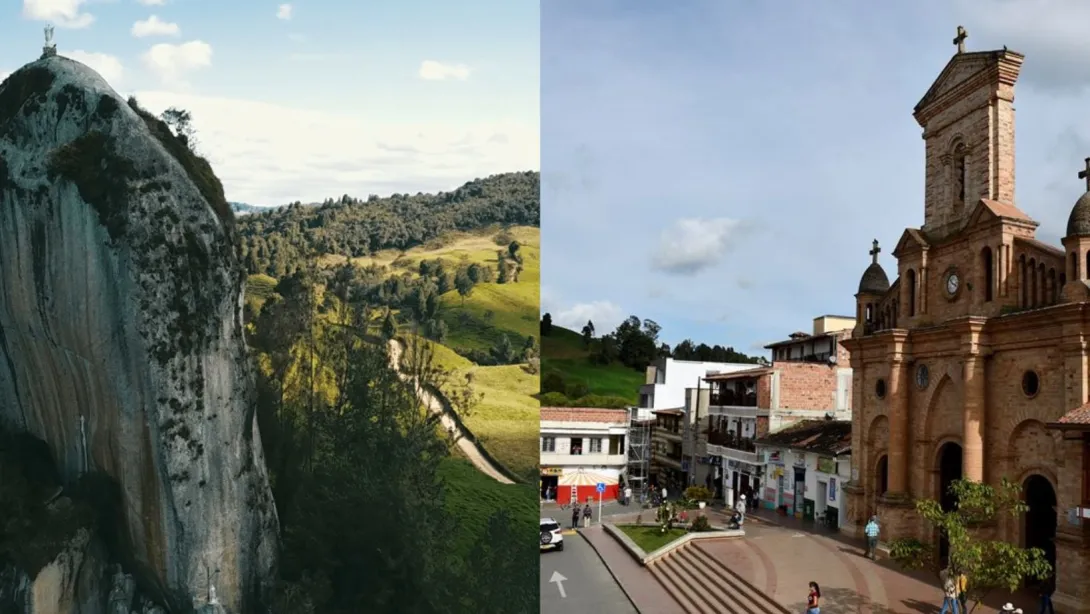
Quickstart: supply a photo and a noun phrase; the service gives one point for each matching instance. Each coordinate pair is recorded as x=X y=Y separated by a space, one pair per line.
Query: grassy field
x=258 y=290
x=473 y=496
x=563 y=353
x=650 y=538
x=507 y=420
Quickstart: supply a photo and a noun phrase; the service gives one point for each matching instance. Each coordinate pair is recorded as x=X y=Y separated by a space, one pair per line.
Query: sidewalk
x=643 y=590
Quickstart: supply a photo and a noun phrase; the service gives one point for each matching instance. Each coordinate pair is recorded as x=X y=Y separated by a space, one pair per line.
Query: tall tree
x=588 y=333
x=988 y=564
x=546 y=325
x=464 y=285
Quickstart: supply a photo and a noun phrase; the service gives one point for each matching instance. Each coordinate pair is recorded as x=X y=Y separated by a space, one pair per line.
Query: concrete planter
x=646 y=558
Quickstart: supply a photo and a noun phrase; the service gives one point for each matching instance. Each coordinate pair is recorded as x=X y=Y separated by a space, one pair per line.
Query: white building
x=667 y=380
x=805 y=468
x=581 y=448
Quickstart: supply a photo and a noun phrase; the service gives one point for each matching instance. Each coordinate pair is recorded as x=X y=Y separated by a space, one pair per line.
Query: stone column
x=973 y=436
x=899 y=382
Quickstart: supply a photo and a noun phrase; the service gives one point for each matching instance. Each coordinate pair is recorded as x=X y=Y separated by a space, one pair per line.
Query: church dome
x=874 y=280
x=1079 y=221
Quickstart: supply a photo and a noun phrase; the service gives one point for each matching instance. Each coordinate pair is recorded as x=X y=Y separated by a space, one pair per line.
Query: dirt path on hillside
x=465 y=444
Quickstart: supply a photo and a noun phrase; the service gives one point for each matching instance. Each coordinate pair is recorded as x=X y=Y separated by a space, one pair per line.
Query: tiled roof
x=1005 y=210
x=822 y=436
x=673 y=411
x=1078 y=418
x=584 y=414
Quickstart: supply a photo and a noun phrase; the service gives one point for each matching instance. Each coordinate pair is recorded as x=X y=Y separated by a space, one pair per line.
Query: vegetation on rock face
x=196 y=167
x=987 y=564
x=102 y=176
x=24 y=90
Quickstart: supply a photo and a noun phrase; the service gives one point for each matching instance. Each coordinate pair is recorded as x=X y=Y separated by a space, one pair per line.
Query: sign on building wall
x=552 y=471
x=774 y=456
x=826 y=465
x=832 y=490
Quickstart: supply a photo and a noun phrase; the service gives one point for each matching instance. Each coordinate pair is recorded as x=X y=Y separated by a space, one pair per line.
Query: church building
x=974 y=363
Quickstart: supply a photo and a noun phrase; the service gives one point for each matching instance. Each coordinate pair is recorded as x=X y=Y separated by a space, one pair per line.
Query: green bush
x=698 y=493
x=602 y=401
x=552 y=382
x=554 y=399
x=577 y=390
x=700 y=525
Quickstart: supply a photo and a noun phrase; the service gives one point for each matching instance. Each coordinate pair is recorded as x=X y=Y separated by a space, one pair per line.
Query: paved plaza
x=780 y=556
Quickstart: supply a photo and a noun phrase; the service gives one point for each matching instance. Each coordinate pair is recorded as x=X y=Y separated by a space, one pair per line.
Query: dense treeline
x=635 y=343
x=275 y=242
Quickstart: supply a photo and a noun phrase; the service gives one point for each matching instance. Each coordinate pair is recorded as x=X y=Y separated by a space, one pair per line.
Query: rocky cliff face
x=120 y=326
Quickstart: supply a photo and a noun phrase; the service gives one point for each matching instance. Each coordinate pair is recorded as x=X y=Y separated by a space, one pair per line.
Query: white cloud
x=284 y=12
x=269 y=154
x=693 y=245
x=438 y=71
x=153 y=26
x=104 y=64
x=172 y=62
x=4 y=75
x=152 y=2
x=605 y=315
x=64 y=13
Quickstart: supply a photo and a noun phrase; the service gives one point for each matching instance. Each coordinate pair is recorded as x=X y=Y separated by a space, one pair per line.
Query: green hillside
x=564 y=355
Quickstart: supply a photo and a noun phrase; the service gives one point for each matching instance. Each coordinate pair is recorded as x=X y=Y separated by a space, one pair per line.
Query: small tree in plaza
x=987 y=564
x=666 y=516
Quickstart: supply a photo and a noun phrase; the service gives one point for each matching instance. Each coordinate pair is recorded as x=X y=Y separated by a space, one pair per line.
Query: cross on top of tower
x=1085 y=174
x=959 y=40
x=874 y=252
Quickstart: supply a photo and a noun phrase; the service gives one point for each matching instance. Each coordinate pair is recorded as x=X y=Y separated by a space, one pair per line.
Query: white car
x=552 y=537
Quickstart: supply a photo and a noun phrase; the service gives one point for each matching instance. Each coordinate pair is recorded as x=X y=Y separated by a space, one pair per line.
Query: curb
x=616 y=580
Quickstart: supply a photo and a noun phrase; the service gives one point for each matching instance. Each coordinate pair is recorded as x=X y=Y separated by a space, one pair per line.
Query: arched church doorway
x=949 y=462
x=881 y=476
x=1039 y=528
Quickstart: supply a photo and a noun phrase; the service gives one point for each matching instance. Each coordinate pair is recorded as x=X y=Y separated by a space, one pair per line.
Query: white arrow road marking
x=559 y=579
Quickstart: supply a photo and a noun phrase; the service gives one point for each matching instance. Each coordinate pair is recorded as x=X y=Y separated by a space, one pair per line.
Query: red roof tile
x=584 y=414
x=1076 y=418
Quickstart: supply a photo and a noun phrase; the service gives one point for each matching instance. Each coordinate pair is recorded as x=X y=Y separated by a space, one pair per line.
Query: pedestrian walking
x=963 y=587
x=949 y=593
x=575 y=516
x=871 y=530
x=586 y=515
x=813 y=600
x=627 y=495
x=663 y=493
x=1047 y=588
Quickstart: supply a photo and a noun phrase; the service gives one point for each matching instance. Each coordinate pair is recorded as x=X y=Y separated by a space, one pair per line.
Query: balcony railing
x=732 y=399
x=730 y=440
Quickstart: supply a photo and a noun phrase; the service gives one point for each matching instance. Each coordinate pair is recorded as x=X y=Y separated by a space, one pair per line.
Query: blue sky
x=321 y=98
x=722 y=167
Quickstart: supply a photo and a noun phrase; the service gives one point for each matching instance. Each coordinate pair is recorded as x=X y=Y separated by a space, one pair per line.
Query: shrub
x=576 y=390
x=602 y=402
x=700 y=525
x=554 y=399
x=698 y=493
x=553 y=382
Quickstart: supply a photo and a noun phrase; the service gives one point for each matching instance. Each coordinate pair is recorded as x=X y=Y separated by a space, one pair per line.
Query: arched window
x=910 y=285
x=1023 y=280
x=1032 y=270
x=1042 y=285
x=961 y=173
x=1074 y=266
x=989 y=272
x=1063 y=280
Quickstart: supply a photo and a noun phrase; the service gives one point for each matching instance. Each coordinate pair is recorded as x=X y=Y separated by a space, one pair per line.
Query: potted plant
x=699 y=494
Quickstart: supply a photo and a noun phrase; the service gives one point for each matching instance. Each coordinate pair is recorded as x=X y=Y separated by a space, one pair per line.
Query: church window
x=1032 y=270
x=911 y=279
x=880 y=388
x=1031 y=384
x=1074 y=266
x=961 y=173
x=1042 y=285
x=989 y=272
x=1063 y=279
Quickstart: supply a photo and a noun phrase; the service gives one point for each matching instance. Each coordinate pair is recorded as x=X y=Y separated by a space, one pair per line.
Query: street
x=587 y=583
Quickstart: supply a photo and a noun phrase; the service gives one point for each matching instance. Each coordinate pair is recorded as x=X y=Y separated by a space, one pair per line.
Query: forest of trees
x=354 y=459
x=275 y=242
x=635 y=343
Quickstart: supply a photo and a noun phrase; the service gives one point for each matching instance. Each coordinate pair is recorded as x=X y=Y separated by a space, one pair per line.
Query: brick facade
x=806 y=385
x=1010 y=318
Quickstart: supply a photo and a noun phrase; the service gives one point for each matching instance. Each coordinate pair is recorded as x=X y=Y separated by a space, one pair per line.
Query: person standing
x=813 y=600
x=575 y=515
x=664 y=493
x=586 y=515
x=627 y=495
x=1047 y=588
x=949 y=593
x=871 y=530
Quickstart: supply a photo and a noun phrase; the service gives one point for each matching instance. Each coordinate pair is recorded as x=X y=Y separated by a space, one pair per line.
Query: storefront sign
x=826 y=465
x=552 y=470
x=832 y=490
x=800 y=462
x=774 y=456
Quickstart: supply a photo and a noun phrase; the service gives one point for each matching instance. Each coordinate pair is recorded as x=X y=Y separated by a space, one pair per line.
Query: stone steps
x=703 y=585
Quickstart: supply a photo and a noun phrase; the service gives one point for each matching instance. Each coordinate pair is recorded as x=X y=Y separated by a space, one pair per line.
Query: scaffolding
x=638 y=471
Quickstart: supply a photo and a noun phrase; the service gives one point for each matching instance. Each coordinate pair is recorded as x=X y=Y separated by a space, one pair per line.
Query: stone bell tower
x=967 y=118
